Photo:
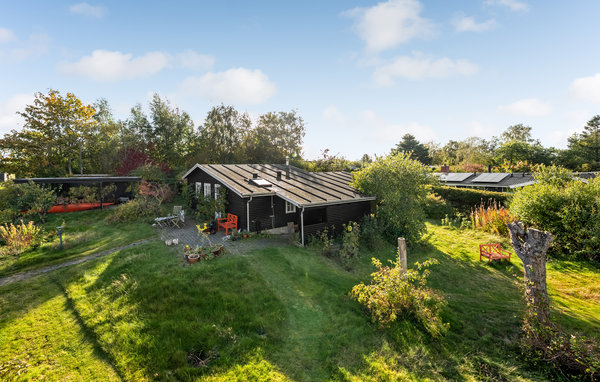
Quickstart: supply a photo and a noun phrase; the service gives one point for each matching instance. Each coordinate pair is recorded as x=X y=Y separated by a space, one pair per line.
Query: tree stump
x=531 y=247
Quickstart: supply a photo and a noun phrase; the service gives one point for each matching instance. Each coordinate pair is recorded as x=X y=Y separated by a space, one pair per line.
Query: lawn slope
x=277 y=313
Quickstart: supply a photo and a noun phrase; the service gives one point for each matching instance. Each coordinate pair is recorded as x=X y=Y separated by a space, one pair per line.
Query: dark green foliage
x=414 y=148
x=566 y=207
x=142 y=209
x=466 y=199
x=437 y=207
x=151 y=173
x=400 y=185
x=19 y=199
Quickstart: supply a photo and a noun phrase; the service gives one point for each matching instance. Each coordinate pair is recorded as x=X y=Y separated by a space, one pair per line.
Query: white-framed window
x=217 y=191
x=207 y=190
x=198 y=188
x=217 y=194
x=289 y=208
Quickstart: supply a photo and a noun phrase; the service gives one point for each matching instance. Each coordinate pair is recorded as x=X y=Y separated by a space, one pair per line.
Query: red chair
x=493 y=252
x=230 y=222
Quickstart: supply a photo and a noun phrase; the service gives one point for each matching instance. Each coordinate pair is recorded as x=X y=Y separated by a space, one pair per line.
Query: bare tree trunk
x=531 y=247
x=80 y=161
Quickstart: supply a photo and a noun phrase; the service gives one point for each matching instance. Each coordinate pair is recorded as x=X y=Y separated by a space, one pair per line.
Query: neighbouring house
x=124 y=185
x=496 y=181
x=275 y=198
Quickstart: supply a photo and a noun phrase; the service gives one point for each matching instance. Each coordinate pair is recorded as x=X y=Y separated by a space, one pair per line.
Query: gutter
x=302 y=226
x=248 y=214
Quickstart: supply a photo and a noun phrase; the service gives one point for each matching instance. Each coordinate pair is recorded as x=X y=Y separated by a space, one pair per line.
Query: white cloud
x=468 y=24
x=192 y=60
x=239 y=85
x=530 y=107
x=6 y=35
x=9 y=119
x=420 y=67
x=390 y=23
x=513 y=5
x=88 y=10
x=332 y=114
x=35 y=46
x=105 y=65
x=587 y=88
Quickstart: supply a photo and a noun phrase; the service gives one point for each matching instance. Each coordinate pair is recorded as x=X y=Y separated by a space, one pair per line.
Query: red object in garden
x=493 y=252
x=75 y=207
x=230 y=222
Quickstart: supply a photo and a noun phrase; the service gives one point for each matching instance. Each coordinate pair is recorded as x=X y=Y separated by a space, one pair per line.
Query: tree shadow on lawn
x=159 y=318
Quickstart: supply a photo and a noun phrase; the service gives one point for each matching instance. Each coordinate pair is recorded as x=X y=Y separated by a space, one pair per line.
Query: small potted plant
x=192 y=257
x=215 y=249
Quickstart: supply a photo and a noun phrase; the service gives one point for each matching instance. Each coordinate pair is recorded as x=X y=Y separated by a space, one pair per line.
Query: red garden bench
x=493 y=252
x=230 y=222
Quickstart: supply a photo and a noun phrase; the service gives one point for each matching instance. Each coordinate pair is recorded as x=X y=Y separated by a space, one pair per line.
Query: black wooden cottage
x=272 y=197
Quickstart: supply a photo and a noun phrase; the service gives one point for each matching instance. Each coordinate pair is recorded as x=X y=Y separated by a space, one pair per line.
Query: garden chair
x=493 y=252
x=179 y=219
x=228 y=223
x=174 y=219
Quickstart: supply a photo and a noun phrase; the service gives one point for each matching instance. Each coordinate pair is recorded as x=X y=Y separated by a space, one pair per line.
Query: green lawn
x=85 y=233
x=277 y=313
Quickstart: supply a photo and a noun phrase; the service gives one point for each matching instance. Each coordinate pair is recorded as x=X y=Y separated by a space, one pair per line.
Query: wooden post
x=402 y=261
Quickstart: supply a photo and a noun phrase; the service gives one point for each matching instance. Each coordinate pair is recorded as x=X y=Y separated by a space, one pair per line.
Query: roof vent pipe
x=278 y=175
x=489 y=168
x=287 y=167
x=254 y=176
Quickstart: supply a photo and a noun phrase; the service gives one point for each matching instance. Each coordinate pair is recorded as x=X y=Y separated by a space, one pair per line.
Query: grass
x=276 y=313
x=85 y=233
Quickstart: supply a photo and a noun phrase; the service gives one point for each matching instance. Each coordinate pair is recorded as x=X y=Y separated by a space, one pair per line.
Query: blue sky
x=361 y=74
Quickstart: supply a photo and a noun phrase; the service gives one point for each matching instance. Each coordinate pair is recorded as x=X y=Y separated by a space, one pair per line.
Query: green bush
x=393 y=293
x=370 y=233
x=567 y=208
x=139 y=209
x=466 y=199
x=350 y=241
x=18 y=199
x=400 y=185
x=437 y=207
x=151 y=173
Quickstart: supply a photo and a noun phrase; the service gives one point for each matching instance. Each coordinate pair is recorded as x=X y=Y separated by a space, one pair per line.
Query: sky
x=360 y=73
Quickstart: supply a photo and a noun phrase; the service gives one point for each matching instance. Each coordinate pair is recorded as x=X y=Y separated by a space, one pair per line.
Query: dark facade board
x=335 y=216
x=235 y=204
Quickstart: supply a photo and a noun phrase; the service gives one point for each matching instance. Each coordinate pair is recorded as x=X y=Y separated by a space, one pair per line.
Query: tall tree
x=53 y=136
x=518 y=132
x=415 y=149
x=223 y=133
x=590 y=142
x=275 y=136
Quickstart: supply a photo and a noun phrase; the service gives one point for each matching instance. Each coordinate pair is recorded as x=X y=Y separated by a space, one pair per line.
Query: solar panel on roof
x=455 y=176
x=490 y=178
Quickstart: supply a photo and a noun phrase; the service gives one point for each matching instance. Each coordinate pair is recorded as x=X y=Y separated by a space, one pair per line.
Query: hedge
x=466 y=199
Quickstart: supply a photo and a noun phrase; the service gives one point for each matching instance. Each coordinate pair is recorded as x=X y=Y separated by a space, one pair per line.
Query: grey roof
x=493 y=180
x=302 y=188
x=81 y=179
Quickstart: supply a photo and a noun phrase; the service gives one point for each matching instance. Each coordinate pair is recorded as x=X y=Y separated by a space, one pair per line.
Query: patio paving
x=188 y=235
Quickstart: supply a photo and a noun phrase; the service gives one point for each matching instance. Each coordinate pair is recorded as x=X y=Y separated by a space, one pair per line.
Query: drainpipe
x=302 y=225
x=248 y=214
